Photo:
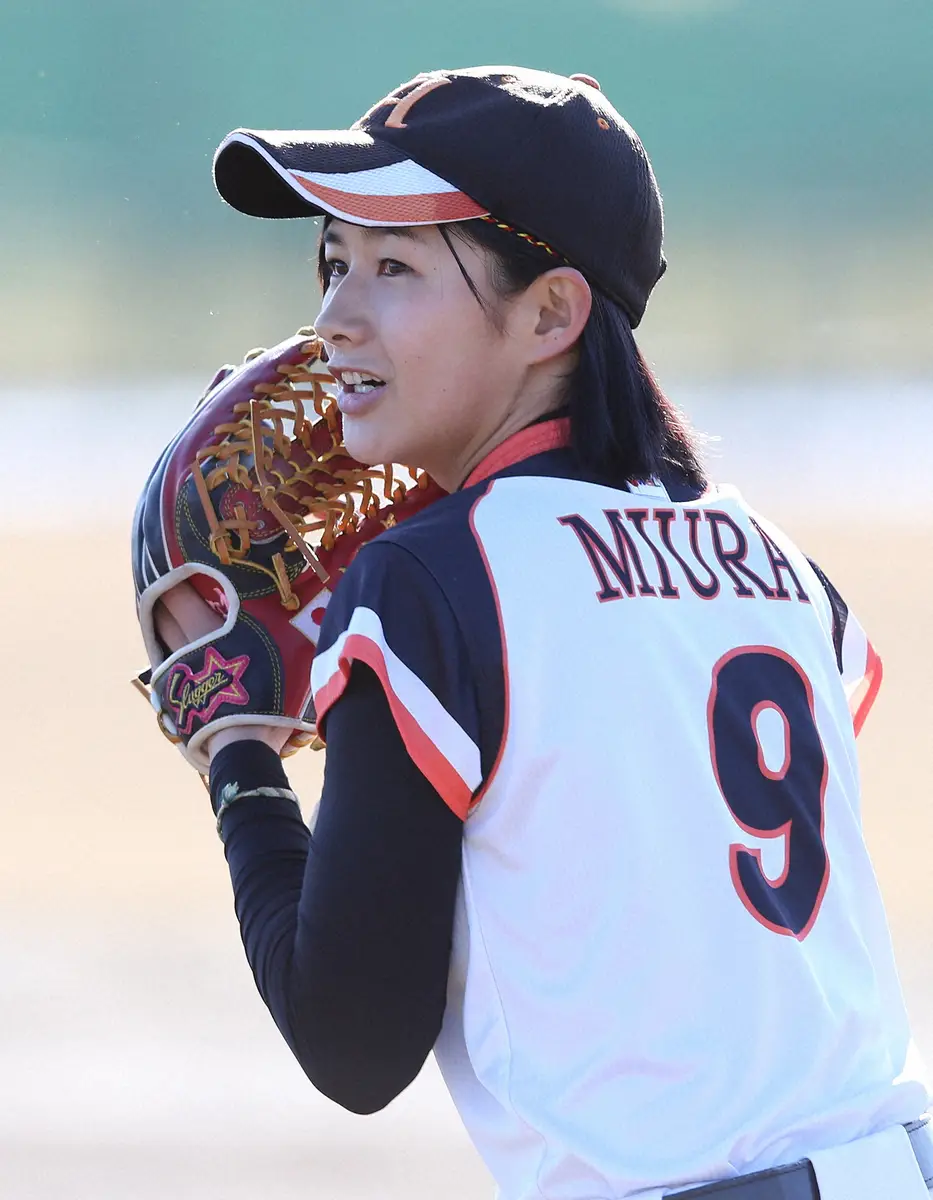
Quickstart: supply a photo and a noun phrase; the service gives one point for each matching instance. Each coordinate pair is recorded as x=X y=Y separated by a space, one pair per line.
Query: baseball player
x=590 y=820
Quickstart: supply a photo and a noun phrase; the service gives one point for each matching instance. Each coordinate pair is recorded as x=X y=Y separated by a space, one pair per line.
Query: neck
x=549 y=434
x=478 y=453
x=543 y=393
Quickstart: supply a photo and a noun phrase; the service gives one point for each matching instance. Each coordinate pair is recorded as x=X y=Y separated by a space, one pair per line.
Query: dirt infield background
x=137 y=1058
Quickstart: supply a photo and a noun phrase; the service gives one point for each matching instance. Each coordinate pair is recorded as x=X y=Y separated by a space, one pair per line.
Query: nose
x=342 y=320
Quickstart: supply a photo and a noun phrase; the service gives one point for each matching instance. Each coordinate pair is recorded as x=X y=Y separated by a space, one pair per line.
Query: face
x=427 y=379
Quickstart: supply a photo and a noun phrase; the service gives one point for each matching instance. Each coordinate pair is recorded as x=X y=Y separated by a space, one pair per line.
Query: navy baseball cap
x=547 y=154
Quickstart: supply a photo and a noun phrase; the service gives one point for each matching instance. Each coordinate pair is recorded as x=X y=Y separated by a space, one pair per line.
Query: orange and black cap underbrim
x=346 y=173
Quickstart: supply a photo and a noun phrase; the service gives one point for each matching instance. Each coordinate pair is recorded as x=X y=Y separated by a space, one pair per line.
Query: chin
x=369 y=445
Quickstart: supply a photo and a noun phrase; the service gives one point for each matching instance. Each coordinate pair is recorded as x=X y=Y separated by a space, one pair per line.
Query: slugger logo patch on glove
x=194 y=696
x=257 y=506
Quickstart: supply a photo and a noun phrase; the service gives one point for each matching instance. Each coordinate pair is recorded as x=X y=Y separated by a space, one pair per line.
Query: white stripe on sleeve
x=424 y=708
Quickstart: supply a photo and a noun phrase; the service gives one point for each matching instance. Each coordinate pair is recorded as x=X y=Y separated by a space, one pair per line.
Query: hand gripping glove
x=258 y=506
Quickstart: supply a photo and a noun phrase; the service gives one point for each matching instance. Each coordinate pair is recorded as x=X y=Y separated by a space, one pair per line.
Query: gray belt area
x=797 y=1181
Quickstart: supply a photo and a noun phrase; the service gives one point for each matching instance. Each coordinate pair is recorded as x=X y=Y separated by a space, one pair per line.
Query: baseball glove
x=258 y=506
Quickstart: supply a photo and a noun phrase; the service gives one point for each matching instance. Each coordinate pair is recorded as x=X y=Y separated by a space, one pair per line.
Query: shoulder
x=414 y=577
x=415 y=607
x=430 y=530
x=435 y=551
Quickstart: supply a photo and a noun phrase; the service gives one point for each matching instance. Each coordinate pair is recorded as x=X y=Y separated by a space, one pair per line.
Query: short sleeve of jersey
x=858 y=661
x=391 y=614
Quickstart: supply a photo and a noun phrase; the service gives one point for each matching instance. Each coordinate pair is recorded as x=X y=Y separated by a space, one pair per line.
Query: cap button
x=588 y=80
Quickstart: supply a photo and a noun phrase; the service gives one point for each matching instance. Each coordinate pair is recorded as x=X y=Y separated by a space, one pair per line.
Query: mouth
x=359 y=391
x=358 y=383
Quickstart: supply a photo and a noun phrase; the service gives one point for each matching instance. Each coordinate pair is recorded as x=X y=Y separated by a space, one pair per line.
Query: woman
x=589 y=826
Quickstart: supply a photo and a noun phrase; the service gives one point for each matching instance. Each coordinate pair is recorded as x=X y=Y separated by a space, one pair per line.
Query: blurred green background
x=792 y=140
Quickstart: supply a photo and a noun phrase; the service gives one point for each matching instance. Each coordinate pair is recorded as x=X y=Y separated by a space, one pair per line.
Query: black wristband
x=245 y=765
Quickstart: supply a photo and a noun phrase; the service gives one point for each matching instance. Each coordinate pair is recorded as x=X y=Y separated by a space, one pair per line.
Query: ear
x=560 y=307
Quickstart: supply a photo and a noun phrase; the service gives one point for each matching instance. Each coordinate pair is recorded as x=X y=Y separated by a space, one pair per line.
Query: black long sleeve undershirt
x=347 y=930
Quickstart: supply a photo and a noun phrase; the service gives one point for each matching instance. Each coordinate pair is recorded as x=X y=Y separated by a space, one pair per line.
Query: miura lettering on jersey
x=659 y=551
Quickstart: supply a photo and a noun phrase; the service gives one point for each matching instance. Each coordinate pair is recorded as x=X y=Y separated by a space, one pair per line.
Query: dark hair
x=622 y=426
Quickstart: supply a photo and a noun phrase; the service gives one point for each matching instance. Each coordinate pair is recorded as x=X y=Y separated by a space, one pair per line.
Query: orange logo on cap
x=403 y=106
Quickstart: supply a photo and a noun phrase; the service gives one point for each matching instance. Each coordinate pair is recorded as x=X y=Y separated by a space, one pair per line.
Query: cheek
x=439 y=357
x=418 y=337
x=445 y=362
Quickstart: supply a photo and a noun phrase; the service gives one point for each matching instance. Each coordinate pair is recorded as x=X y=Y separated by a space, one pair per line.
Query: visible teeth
x=355 y=379
x=364 y=387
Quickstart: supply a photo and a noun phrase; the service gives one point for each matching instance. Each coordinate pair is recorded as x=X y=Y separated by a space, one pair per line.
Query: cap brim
x=346 y=173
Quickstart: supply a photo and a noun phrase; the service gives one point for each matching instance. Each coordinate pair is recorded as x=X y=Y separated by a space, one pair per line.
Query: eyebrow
x=411 y=232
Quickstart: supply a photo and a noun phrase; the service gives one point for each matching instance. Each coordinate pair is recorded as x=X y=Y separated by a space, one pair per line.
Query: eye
x=391 y=266
x=335 y=266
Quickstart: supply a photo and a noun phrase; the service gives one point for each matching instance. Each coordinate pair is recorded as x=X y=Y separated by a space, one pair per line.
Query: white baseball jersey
x=670 y=962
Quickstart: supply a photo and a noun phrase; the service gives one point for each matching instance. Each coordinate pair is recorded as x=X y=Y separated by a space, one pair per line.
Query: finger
x=192 y=614
x=168 y=631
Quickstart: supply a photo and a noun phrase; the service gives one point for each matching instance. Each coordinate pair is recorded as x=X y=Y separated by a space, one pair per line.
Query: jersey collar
x=533 y=439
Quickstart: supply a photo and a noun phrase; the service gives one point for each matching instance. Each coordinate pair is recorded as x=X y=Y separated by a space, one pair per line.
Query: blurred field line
x=810 y=448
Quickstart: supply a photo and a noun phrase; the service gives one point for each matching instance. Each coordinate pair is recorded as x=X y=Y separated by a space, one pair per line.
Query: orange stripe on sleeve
x=435 y=767
x=863 y=698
